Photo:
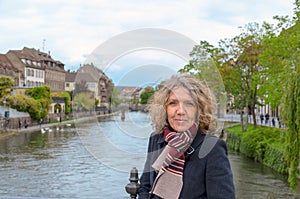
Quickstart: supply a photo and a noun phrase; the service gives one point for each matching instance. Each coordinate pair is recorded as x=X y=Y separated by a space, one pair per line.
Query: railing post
x=133 y=186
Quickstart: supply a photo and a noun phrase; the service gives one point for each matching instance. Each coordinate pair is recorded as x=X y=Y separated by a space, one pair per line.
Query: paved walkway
x=236 y=118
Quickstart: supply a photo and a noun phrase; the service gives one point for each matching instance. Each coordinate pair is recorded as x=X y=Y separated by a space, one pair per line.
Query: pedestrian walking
x=25 y=124
x=279 y=122
x=267 y=116
x=261 y=118
x=273 y=122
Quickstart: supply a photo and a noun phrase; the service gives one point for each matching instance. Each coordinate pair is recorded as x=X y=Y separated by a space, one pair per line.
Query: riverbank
x=263 y=144
x=5 y=133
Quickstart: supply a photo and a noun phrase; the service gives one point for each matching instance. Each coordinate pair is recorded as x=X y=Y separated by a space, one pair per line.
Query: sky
x=71 y=30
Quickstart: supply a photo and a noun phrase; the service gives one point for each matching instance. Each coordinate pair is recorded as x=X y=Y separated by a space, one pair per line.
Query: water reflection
x=59 y=165
x=253 y=180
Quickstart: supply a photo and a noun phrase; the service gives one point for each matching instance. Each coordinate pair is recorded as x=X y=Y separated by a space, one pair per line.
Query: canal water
x=94 y=159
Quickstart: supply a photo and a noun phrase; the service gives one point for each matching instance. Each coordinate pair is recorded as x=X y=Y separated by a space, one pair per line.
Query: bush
x=254 y=142
x=261 y=143
x=274 y=158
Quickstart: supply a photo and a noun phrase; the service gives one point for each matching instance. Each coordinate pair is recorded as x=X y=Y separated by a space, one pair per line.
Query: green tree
x=204 y=63
x=274 y=60
x=84 y=101
x=67 y=100
x=26 y=104
x=5 y=84
x=280 y=70
x=115 y=100
x=42 y=95
x=237 y=61
x=282 y=58
x=292 y=139
x=40 y=92
x=146 y=94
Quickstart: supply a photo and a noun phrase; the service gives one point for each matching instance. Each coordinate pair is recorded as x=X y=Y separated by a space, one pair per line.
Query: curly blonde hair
x=200 y=93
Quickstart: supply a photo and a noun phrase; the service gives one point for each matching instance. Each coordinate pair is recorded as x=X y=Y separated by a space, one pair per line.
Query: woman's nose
x=180 y=108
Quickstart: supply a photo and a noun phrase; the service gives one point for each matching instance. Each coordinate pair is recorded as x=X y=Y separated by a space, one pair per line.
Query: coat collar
x=195 y=144
x=198 y=139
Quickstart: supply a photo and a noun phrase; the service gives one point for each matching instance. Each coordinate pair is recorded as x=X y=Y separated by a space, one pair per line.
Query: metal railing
x=133 y=186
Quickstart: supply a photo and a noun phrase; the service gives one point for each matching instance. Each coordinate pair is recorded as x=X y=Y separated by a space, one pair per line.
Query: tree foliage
x=84 y=101
x=26 y=104
x=114 y=99
x=42 y=94
x=237 y=61
x=261 y=63
x=5 y=83
x=204 y=63
x=282 y=58
x=146 y=94
x=67 y=100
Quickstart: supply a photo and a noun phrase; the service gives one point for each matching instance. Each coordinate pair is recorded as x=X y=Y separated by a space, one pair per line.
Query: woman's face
x=181 y=109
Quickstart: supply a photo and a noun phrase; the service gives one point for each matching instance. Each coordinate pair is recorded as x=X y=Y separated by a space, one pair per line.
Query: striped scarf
x=170 y=163
x=178 y=142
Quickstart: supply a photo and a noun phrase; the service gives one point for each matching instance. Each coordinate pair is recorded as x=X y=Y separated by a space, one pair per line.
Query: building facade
x=37 y=69
x=96 y=81
x=7 y=69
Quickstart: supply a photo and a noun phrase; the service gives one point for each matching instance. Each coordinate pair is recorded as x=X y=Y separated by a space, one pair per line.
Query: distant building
x=130 y=95
x=96 y=81
x=70 y=81
x=37 y=68
x=127 y=93
x=7 y=69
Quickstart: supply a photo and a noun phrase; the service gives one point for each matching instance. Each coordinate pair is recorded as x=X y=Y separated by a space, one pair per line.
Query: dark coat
x=207 y=172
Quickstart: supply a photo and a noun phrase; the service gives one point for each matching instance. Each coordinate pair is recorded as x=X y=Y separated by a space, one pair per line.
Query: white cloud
x=73 y=29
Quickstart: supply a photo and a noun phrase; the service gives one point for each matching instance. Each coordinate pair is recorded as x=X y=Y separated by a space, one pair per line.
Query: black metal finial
x=133 y=186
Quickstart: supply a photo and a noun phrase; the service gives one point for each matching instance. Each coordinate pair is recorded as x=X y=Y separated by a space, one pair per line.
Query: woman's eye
x=172 y=103
x=189 y=104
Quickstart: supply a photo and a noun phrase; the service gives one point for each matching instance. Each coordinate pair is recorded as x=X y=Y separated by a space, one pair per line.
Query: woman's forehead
x=179 y=93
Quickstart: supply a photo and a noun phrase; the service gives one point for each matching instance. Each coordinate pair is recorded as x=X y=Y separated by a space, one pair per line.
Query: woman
x=183 y=161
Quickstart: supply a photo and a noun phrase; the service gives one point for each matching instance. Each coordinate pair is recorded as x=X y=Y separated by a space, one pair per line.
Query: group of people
x=266 y=118
x=183 y=159
x=25 y=123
